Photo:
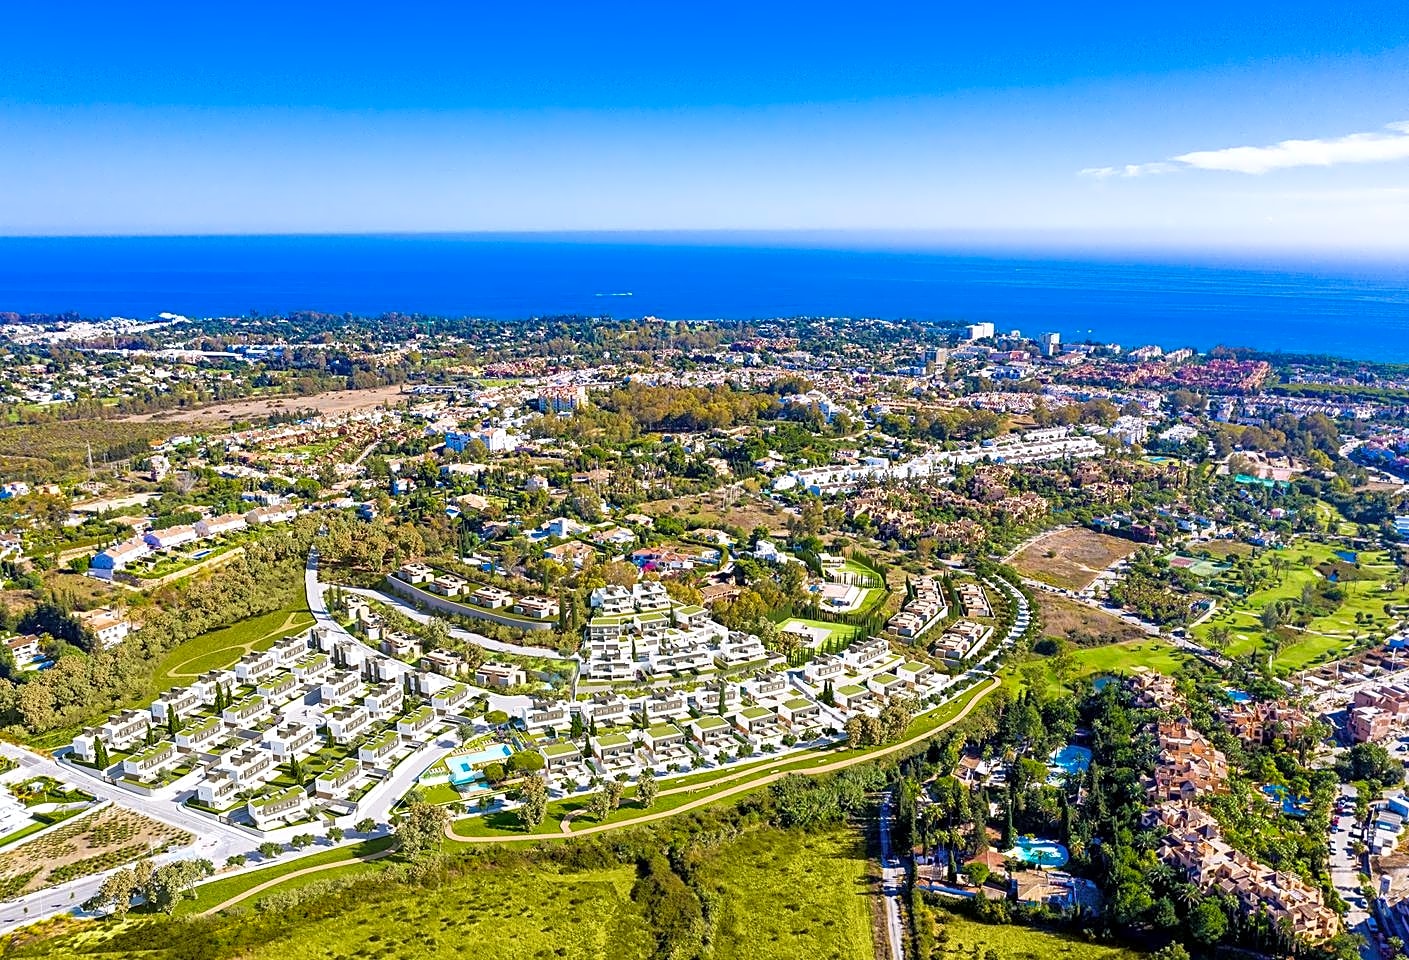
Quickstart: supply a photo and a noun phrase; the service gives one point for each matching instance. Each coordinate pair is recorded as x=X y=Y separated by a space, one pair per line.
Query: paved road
x=1345 y=874
x=214 y=841
x=892 y=883
x=478 y=639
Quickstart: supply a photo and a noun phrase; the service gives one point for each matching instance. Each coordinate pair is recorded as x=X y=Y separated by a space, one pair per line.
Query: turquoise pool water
x=1280 y=795
x=462 y=768
x=1238 y=696
x=1069 y=760
x=1043 y=853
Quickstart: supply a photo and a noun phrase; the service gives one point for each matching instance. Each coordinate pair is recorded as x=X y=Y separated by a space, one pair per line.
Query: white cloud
x=1376 y=147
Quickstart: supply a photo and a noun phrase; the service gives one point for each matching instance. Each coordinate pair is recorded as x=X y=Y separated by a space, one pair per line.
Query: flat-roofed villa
x=345 y=723
x=665 y=741
x=913 y=671
x=612 y=746
x=338 y=779
x=247 y=766
x=447 y=663
x=450 y=698
x=293 y=739
x=851 y=695
x=766 y=686
x=415 y=573
x=379 y=747
x=447 y=585
x=253 y=666
x=243 y=711
x=711 y=731
x=495 y=674
x=666 y=706
x=823 y=668
x=491 y=598
x=384 y=700
x=200 y=732
x=217 y=790
x=179 y=700
x=799 y=711
x=415 y=721
x=276 y=807
x=312 y=666
x=605 y=708
x=543 y=715
x=149 y=762
x=885 y=684
x=559 y=754
x=278 y=686
x=339 y=686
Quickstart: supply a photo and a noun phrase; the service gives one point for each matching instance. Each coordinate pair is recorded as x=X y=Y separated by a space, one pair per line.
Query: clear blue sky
x=1054 y=122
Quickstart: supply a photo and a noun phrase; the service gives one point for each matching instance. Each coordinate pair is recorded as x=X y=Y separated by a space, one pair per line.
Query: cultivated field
x=109 y=838
x=1072 y=557
x=334 y=403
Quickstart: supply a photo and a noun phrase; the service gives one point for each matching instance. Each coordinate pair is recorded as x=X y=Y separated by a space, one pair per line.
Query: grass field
x=1361 y=614
x=840 y=632
x=218 y=891
x=1149 y=654
x=498 y=914
x=1083 y=625
x=220 y=648
x=789 y=895
x=1071 y=558
x=963 y=938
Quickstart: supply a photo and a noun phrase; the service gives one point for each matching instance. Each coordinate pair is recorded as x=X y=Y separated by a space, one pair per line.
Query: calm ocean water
x=1349 y=311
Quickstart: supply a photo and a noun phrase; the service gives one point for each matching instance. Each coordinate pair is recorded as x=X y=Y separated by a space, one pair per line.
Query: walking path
x=275 y=881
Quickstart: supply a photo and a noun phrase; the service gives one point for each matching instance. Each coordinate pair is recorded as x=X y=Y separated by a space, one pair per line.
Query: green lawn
x=840 y=632
x=1324 y=637
x=963 y=938
x=1152 y=654
x=220 y=648
x=791 y=895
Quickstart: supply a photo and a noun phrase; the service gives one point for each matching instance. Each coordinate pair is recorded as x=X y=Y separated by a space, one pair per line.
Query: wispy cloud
x=1392 y=143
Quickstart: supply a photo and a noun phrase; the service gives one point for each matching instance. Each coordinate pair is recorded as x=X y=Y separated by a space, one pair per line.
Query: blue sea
x=1345 y=309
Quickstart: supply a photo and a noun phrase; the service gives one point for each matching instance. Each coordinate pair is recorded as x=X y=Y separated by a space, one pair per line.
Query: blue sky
x=1149 y=126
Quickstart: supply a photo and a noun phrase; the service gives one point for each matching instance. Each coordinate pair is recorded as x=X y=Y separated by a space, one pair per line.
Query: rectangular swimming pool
x=462 y=768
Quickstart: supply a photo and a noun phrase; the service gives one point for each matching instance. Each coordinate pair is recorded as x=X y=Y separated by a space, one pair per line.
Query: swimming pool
x=462 y=768
x=1039 y=853
x=1069 y=760
x=1280 y=795
x=1238 y=696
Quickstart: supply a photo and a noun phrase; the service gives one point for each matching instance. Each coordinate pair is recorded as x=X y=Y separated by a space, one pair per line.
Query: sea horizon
x=1296 y=302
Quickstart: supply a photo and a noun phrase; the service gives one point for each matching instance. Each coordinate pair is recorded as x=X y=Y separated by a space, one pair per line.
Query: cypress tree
x=100 y=753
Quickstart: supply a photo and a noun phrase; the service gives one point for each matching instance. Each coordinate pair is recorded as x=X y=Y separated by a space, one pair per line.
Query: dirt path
x=275 y=881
